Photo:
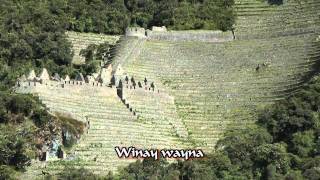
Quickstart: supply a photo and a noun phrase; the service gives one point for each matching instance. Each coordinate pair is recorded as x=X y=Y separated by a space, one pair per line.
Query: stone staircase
x=155 y=105
x=128 y=50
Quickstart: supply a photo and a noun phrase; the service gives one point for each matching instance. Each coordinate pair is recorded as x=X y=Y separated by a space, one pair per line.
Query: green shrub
x=13 y=148
x=7 y=173
x=71 y=128
x=71 y=173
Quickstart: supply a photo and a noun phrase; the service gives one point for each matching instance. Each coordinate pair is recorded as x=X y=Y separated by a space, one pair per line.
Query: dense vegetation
x=94 y=55
x=25 y=126
x=283 y=144
x=32 y=32
x=113 y=16
x=275 y=2
x=30 y=37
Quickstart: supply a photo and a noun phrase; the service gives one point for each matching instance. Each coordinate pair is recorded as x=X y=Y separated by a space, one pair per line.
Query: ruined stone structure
x=115 y=112
x=136 y=32
x=204 y=82
x=106 y=75
x=159 y=29
x=128 y=84
x=161 y=33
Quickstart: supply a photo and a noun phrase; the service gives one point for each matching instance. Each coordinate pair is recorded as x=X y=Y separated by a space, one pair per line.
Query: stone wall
x=161 y=34
x=159 y=29
x=136 y=31
x=44 y=82
x=203 y=36
x=102 y=84
x=34 y=87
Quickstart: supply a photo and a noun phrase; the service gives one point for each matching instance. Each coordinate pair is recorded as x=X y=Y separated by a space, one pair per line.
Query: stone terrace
x=156 y=106
x=220 y=85
x=111 y=124
x=81 y=41
x=260 y=20
x=192 y=35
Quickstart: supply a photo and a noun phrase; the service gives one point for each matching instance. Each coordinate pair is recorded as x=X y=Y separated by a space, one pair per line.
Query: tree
x=7 y=173
x=89 y=53
x=19 y=104
x=303 y=143
x=312 y=174
x=272 y=156
x=12 y=148
x=286 y=118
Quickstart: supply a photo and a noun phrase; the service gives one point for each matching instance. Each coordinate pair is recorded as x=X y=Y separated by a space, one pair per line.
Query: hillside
x=204 y=88
x=220 y=85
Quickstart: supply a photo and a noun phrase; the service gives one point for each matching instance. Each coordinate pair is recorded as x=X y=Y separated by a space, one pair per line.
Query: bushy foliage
x=71 y=173
x=7 y=173
x=112 y=17
x=71 y=129
x=31 y=37
x=94 y=55
x=147 y=169
x=100 y=16
x=17 y=108
x=13 y=148
x=32 y=32
x=275 y=2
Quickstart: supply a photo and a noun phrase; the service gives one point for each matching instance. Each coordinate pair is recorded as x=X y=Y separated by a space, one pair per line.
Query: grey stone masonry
x=162 y=34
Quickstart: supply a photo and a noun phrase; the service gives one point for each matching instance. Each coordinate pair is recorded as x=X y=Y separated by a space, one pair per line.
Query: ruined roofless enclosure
x=204 y=82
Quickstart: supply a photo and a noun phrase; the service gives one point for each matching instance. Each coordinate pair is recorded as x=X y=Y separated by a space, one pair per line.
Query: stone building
x=31 y=76
x=136 y=32
x=159 y=29
x=106 y=75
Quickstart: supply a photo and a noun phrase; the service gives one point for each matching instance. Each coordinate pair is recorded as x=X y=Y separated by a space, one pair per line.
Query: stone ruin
x=120 y=85
x=161 y=33
x=136 y=32
x=105 y=79
x=159 y=29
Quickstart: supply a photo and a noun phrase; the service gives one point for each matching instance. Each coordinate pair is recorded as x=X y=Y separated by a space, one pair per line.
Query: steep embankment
x=220 y=85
